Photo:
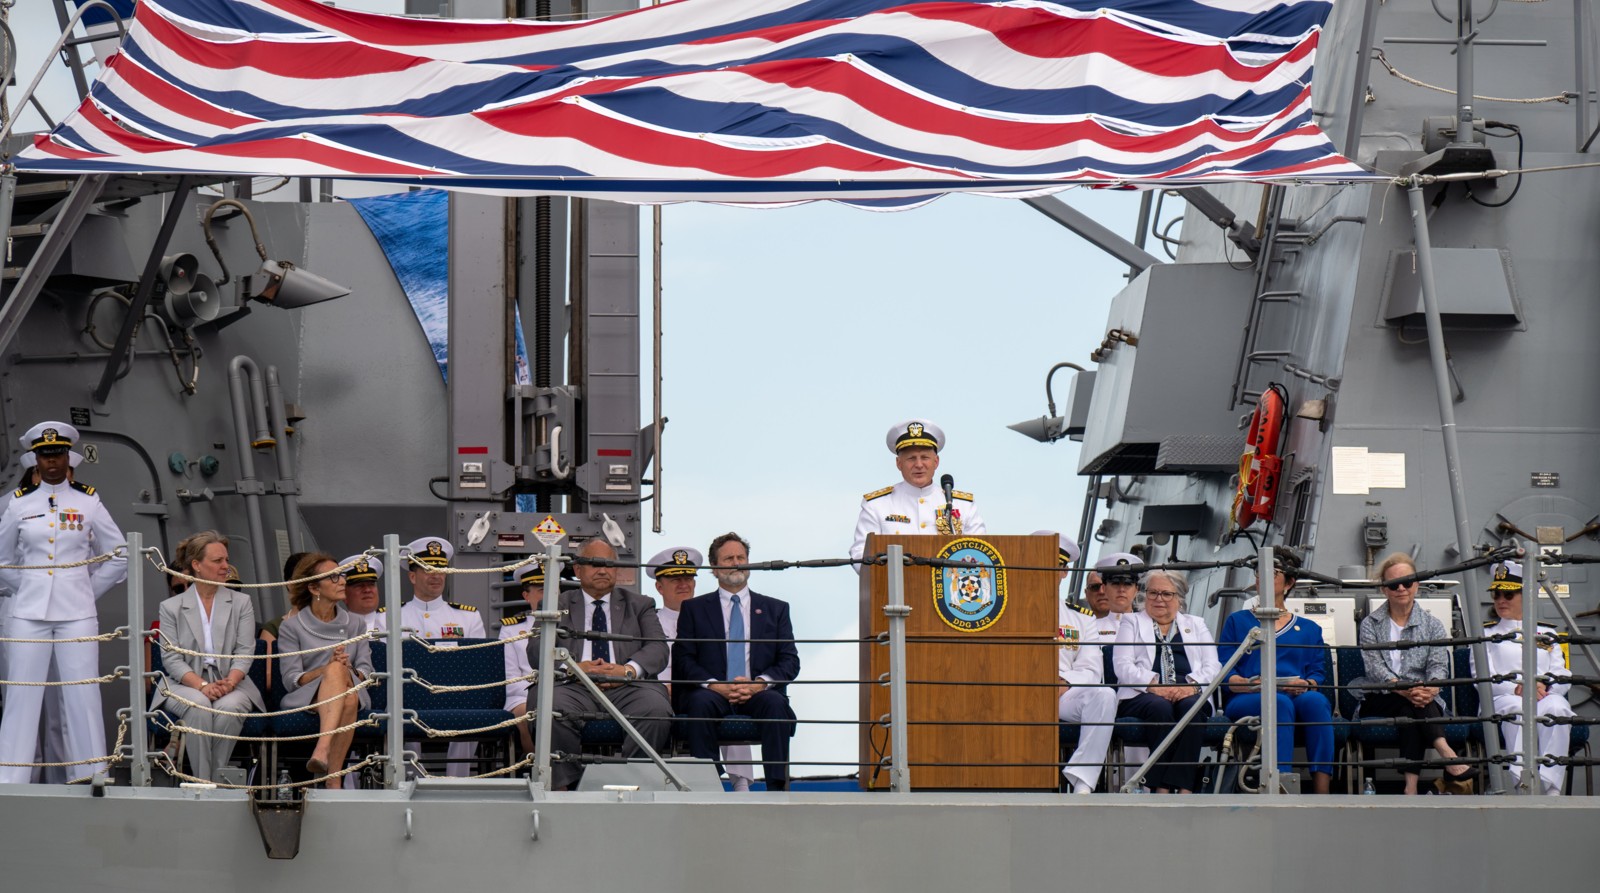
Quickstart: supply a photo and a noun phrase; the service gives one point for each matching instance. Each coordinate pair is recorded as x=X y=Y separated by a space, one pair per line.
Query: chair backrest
x=1350 y=668
x=261 y=674
x=450 y=666
x=1461 y=698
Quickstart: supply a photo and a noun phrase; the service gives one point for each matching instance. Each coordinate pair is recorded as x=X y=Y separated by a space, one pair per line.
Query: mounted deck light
x=282 y=283
x=1050 y=427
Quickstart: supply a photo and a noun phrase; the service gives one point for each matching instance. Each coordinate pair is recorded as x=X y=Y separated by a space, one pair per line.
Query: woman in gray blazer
x=1415 y=674
x=208 y=618
x=321 y=677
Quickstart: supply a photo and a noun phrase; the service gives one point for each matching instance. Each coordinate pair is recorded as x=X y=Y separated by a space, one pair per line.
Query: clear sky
x=795 y=337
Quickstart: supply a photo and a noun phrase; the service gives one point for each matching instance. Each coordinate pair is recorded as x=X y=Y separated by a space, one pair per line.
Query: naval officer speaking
x=916 y=505
x=56 y=521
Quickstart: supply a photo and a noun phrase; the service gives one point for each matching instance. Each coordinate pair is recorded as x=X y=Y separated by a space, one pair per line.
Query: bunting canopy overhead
x=874 y=102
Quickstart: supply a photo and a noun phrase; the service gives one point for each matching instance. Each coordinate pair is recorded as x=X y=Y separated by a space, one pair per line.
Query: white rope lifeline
x=112 y=758
x=169 y=645
x=118 y=633
x=112 y=676
x=155 y=557
x=114 y=553
x=365 y=683
x=456 y=733
x=171 y=769
x=1384 y=61
x=167 y=725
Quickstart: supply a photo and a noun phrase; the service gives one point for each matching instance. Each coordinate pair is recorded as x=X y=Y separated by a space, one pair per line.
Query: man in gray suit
x=624 y=668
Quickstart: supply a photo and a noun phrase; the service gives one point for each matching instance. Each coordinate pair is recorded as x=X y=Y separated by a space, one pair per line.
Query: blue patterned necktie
x=599 y=649
x=736 y=667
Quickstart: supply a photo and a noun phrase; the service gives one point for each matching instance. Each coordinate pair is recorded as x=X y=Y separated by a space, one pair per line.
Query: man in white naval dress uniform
x=1080 y=665
x=431 y=616
x=916 y=504
x=361 y=595
x=57 y=521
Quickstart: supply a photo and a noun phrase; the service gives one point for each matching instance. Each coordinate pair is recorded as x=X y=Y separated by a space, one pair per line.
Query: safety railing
x=392 y=721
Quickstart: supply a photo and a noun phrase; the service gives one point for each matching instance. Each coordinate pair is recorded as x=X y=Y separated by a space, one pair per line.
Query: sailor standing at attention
x=917 y=504
x=430 y=616
x=55 y=522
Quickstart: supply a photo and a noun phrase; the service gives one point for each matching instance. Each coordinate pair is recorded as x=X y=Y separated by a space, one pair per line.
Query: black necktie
x=1110 y=671
x=599 y=649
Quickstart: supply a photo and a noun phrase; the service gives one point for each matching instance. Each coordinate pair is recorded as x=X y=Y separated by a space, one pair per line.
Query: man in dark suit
x=624 y=668
x=714 y=678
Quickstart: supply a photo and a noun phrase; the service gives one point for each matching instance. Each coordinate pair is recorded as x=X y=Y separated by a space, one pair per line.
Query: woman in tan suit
x=209 y=618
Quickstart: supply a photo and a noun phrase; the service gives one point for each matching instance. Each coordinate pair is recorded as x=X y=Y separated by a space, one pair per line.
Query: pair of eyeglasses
x=1094 y=586
x=1160 y=593
x=336 y=576
x=1500 y=595
x=1396 y=587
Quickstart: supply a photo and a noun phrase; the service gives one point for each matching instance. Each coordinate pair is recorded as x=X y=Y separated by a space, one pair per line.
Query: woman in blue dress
x=1302 y=669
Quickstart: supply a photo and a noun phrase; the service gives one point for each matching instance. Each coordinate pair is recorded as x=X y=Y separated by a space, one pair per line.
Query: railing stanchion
x=1530 y=672
x=137 y=700
x=395 y=738
x=545 y=693
x=1267 y=614
x=897 y=610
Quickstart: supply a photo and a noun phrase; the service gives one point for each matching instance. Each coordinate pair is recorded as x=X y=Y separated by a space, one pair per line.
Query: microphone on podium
x=948 y=485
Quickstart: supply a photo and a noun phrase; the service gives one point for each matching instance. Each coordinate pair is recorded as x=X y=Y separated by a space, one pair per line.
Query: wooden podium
x=966 y=639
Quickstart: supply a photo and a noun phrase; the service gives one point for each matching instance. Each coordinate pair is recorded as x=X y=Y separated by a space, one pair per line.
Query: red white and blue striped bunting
x=752 y=101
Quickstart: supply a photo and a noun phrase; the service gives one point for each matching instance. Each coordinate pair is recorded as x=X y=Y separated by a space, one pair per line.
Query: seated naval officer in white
x=56 y=522
x=361 y=596
x=674 y=569
x=1505 y=659
x=1083 y=696
x=209 y=618
x=517 y=666
x=430 y=615
x=915 y=504
x=600 y=606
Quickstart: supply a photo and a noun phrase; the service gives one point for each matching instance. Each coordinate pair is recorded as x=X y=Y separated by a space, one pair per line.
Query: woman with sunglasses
x=1302 y=667
x=1163 y=659
x=1413 y=675
x=1505 y=659
x=322 y=677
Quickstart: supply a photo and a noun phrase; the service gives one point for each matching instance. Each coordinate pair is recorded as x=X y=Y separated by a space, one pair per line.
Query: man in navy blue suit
x=711 y=679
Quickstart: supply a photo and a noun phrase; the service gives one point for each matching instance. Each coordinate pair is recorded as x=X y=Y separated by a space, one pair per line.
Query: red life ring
x=1260 y=467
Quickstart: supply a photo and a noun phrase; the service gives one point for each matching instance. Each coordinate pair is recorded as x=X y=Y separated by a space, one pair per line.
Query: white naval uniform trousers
x=438 y=619
x=1506 y=657
x=1086 y=701
x=55 y=524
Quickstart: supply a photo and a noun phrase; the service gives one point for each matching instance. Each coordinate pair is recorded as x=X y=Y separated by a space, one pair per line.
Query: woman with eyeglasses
x=1163 y=658
x=1412 y=676
x=1302 y=668
x=1550 y=688
x=326 y=677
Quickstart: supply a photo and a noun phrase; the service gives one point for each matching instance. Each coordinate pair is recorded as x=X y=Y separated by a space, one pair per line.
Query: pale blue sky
x=795 y=337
